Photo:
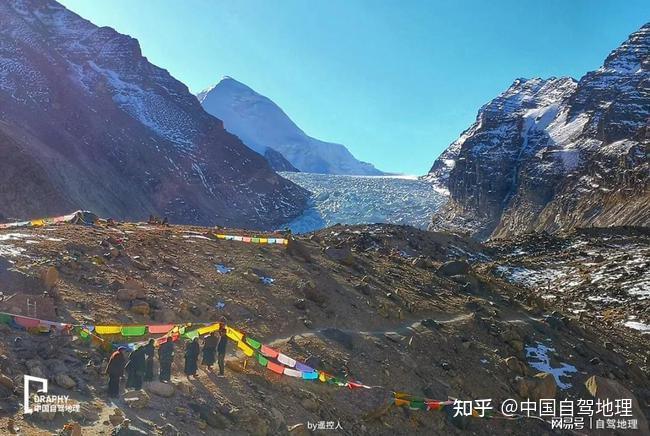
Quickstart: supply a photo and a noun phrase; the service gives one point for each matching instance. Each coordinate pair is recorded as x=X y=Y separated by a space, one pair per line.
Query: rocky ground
x=432 y=314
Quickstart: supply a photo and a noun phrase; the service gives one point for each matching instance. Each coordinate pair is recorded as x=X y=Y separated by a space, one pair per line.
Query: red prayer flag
x=269 y=352
x=27 y=322
x=279 y=369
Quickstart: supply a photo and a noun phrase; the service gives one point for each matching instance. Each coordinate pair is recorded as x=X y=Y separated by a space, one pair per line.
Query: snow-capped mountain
x=262 y=125
x=555 y=154
x=87 y=122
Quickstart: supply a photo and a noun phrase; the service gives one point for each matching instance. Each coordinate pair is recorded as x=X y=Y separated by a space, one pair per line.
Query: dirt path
x=409 y=327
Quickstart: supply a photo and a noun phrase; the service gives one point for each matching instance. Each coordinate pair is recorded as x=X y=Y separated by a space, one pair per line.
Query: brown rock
x=50 y=277
x=604 y=388
x=515 y=365
x=135 y=285
x=126 y=294
x=65 y=381
x=6 y=382
x=137 y=399
x=165 y=390
x=116 y=418
x=141 y=308
x=343 y=255
x=541 y=386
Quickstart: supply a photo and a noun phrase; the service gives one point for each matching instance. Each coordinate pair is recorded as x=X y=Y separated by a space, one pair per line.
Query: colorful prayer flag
x=292 y=373
x=138 y=330
x=304 y=368
x=261 y=359
x=245 y=348
x=269 y=352
x=253 y=343
x=160 y=328
x=108 y=329
x=286 y=360
x=310 y=375
x=278 y=369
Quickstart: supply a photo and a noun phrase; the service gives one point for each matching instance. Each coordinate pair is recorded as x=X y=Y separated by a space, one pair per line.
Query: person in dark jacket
x=210 y=350
x=135 y=369
x=192 y=351
x=115 y=371
x=166 y=357
x=149 y=352
x=221 y=350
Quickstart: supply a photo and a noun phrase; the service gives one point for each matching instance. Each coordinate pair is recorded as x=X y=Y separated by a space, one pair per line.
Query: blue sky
x=395 y=81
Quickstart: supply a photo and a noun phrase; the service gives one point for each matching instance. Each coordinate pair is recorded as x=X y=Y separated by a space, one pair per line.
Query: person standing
x=149 y=352
x=115 y=371
x=221 y=349
x=166 y=357
x=135 y=368
x=210 y=350
x=192 y=351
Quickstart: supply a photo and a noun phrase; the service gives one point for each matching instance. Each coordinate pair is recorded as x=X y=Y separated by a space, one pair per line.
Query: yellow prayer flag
x=108 y=329
x=245 y=348
x=208 y=329
x=234 y=334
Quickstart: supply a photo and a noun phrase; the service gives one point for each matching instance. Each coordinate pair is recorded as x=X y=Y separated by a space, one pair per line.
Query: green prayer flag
x=5 y=318
x=418 y=405
x=253 y=343
x=137 y=330
x=191 y=334
x=262 y=360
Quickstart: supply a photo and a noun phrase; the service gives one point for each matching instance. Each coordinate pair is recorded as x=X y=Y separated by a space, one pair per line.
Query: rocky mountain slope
x=553 y=154
x=265 y=128
x=87 y=122
x=388 y=305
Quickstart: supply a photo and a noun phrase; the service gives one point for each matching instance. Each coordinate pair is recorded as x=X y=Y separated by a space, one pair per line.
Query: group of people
x=139 y=366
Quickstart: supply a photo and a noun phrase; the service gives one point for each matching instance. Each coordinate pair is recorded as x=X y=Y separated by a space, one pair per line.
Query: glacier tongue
x=364 y=200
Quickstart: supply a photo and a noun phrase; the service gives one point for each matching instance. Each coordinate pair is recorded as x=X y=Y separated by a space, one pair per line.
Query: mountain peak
x=633 y=55
x=262 y=125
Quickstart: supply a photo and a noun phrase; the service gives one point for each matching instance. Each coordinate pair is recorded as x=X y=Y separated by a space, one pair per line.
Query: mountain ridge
x=553 y=154
x=92 y=124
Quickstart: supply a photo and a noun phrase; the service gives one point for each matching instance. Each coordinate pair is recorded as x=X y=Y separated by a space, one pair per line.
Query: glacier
x=344 y=199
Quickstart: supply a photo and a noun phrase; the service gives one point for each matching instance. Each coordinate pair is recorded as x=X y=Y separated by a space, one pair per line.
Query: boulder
x=453 y=268
x=251 y=422
x=310 y=405
x=71 y=429
x=515 y=365
x=137 y=399
x=65 y=381
x=126 y=294
x=140 y=307
x=7 y=382
x=469 y=282
x=50 y=277
x=342 y=255
x=298 y=249
x=603 y=388
x=540 y=386
x=161 y=389
x=116 y=417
